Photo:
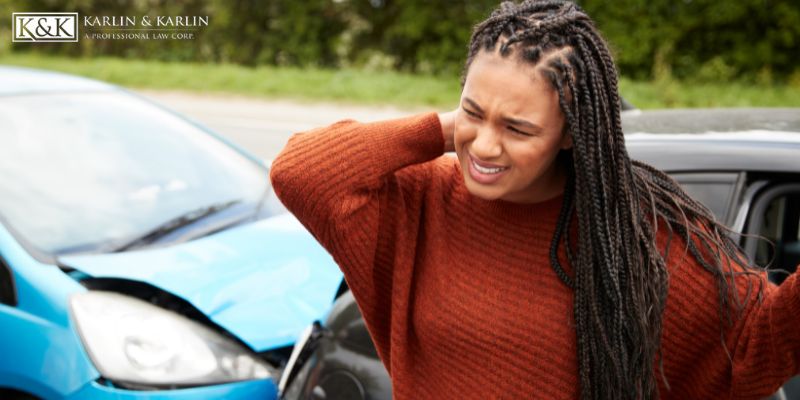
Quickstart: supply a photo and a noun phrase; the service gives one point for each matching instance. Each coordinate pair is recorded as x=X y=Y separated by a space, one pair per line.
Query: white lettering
x=109 y=21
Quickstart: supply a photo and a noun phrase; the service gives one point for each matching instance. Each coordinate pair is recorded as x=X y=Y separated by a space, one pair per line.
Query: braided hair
x=620 y=278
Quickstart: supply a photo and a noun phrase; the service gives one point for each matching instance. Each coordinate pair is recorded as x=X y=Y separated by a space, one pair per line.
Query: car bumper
x=260 y=389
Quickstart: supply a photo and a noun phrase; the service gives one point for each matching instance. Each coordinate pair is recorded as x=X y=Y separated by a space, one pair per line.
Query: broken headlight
x=132 y=341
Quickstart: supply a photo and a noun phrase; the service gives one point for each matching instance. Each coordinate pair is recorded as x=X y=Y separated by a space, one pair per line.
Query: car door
x=773 y=241
x=775 y=219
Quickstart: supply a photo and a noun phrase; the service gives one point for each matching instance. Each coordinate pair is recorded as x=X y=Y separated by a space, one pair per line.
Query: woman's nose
x=486 y=145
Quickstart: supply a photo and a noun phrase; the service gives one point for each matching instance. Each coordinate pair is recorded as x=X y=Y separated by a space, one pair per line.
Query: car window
x=714 y=190
x=79 y=170
x=774 y=225
x=780 y=226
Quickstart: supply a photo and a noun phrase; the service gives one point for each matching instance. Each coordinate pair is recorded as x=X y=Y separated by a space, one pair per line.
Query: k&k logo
x=45 y=27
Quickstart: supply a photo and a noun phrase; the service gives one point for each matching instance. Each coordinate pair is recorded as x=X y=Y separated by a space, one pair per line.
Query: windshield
x=80 y=170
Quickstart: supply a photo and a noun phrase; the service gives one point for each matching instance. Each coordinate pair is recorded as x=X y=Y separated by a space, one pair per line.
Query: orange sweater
x=458 y=293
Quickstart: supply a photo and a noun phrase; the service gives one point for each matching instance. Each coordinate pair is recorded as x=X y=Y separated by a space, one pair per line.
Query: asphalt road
x=263 y=126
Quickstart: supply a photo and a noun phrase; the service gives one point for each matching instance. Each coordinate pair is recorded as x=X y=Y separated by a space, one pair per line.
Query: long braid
x=620 y=277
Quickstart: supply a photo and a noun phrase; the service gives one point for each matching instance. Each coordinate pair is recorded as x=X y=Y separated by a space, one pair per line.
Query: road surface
x=263 y=126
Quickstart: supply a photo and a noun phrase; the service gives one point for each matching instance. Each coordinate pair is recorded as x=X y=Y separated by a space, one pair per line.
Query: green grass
x=346 y=85
x=675 y=94
x=373 y=88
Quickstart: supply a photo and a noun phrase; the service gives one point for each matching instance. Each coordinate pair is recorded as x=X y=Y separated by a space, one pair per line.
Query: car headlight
x=130 y=340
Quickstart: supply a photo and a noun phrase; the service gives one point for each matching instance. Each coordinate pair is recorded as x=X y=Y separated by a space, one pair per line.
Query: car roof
x=699 y=120
x=23 y=81
x=733 y=139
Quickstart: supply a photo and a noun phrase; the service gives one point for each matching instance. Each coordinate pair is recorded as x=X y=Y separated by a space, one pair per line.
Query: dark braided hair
x=620 y=278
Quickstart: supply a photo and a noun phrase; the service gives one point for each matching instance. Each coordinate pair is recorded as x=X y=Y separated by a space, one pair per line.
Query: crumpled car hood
x=264 y=281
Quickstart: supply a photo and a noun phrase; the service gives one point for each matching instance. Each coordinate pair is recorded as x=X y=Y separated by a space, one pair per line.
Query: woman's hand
x=448 y=121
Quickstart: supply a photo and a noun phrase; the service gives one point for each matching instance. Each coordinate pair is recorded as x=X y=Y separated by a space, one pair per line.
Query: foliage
x=756 y=41
x=705 y=39
x=420 y=35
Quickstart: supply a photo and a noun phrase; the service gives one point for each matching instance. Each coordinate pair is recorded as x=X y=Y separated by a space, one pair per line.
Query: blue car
x=141 y=256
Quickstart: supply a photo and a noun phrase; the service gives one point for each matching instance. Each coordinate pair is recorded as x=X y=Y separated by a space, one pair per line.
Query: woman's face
x=508 y=132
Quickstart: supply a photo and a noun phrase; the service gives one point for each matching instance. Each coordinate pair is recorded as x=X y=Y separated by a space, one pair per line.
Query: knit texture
x=458 y=293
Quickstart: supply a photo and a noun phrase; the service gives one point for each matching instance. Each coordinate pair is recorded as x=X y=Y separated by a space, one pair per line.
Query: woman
x=542 y=262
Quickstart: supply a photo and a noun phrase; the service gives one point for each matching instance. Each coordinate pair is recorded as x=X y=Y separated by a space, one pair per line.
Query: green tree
x=701 y=38
x=420 y=35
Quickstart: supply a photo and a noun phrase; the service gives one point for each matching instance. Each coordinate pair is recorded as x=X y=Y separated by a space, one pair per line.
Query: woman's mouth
x=483 y=173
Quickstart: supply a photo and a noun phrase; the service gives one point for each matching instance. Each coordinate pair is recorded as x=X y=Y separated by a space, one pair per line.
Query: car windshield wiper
x=174 y=224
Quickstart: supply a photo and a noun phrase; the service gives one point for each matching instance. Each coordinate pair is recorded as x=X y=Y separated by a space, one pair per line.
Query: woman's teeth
x=488 y=170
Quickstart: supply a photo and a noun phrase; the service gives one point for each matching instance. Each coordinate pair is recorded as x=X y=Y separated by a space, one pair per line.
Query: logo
x=45 y=27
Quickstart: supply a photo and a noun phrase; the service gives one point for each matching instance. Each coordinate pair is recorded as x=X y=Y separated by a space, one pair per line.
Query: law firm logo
x=45 y=27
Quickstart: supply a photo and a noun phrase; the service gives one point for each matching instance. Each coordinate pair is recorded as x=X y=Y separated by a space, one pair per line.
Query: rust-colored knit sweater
x=458 y=293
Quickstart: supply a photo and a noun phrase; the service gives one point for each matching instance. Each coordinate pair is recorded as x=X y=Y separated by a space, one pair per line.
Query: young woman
x=542 y=262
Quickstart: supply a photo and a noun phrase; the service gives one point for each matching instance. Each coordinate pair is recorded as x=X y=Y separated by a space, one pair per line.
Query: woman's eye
x=518 y=132
x=471 y=114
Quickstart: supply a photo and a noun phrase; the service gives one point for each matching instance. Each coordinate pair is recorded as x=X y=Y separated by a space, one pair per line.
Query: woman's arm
x=330 y=173
x=705 y=356
x=322 y=175
x=359 y=188
x=354 y=184
x=766 y=345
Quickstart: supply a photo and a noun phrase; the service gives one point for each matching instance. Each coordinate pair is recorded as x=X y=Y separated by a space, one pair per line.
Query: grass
x=345 y=85
x=675 y=94
x=374 y=88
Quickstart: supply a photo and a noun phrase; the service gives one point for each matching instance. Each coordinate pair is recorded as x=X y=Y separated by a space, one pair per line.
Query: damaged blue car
x=141 y=255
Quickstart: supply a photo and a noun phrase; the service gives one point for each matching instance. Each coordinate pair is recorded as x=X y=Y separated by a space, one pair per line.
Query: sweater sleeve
x=704 y=356
x=766 y=342
x=358 y=188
